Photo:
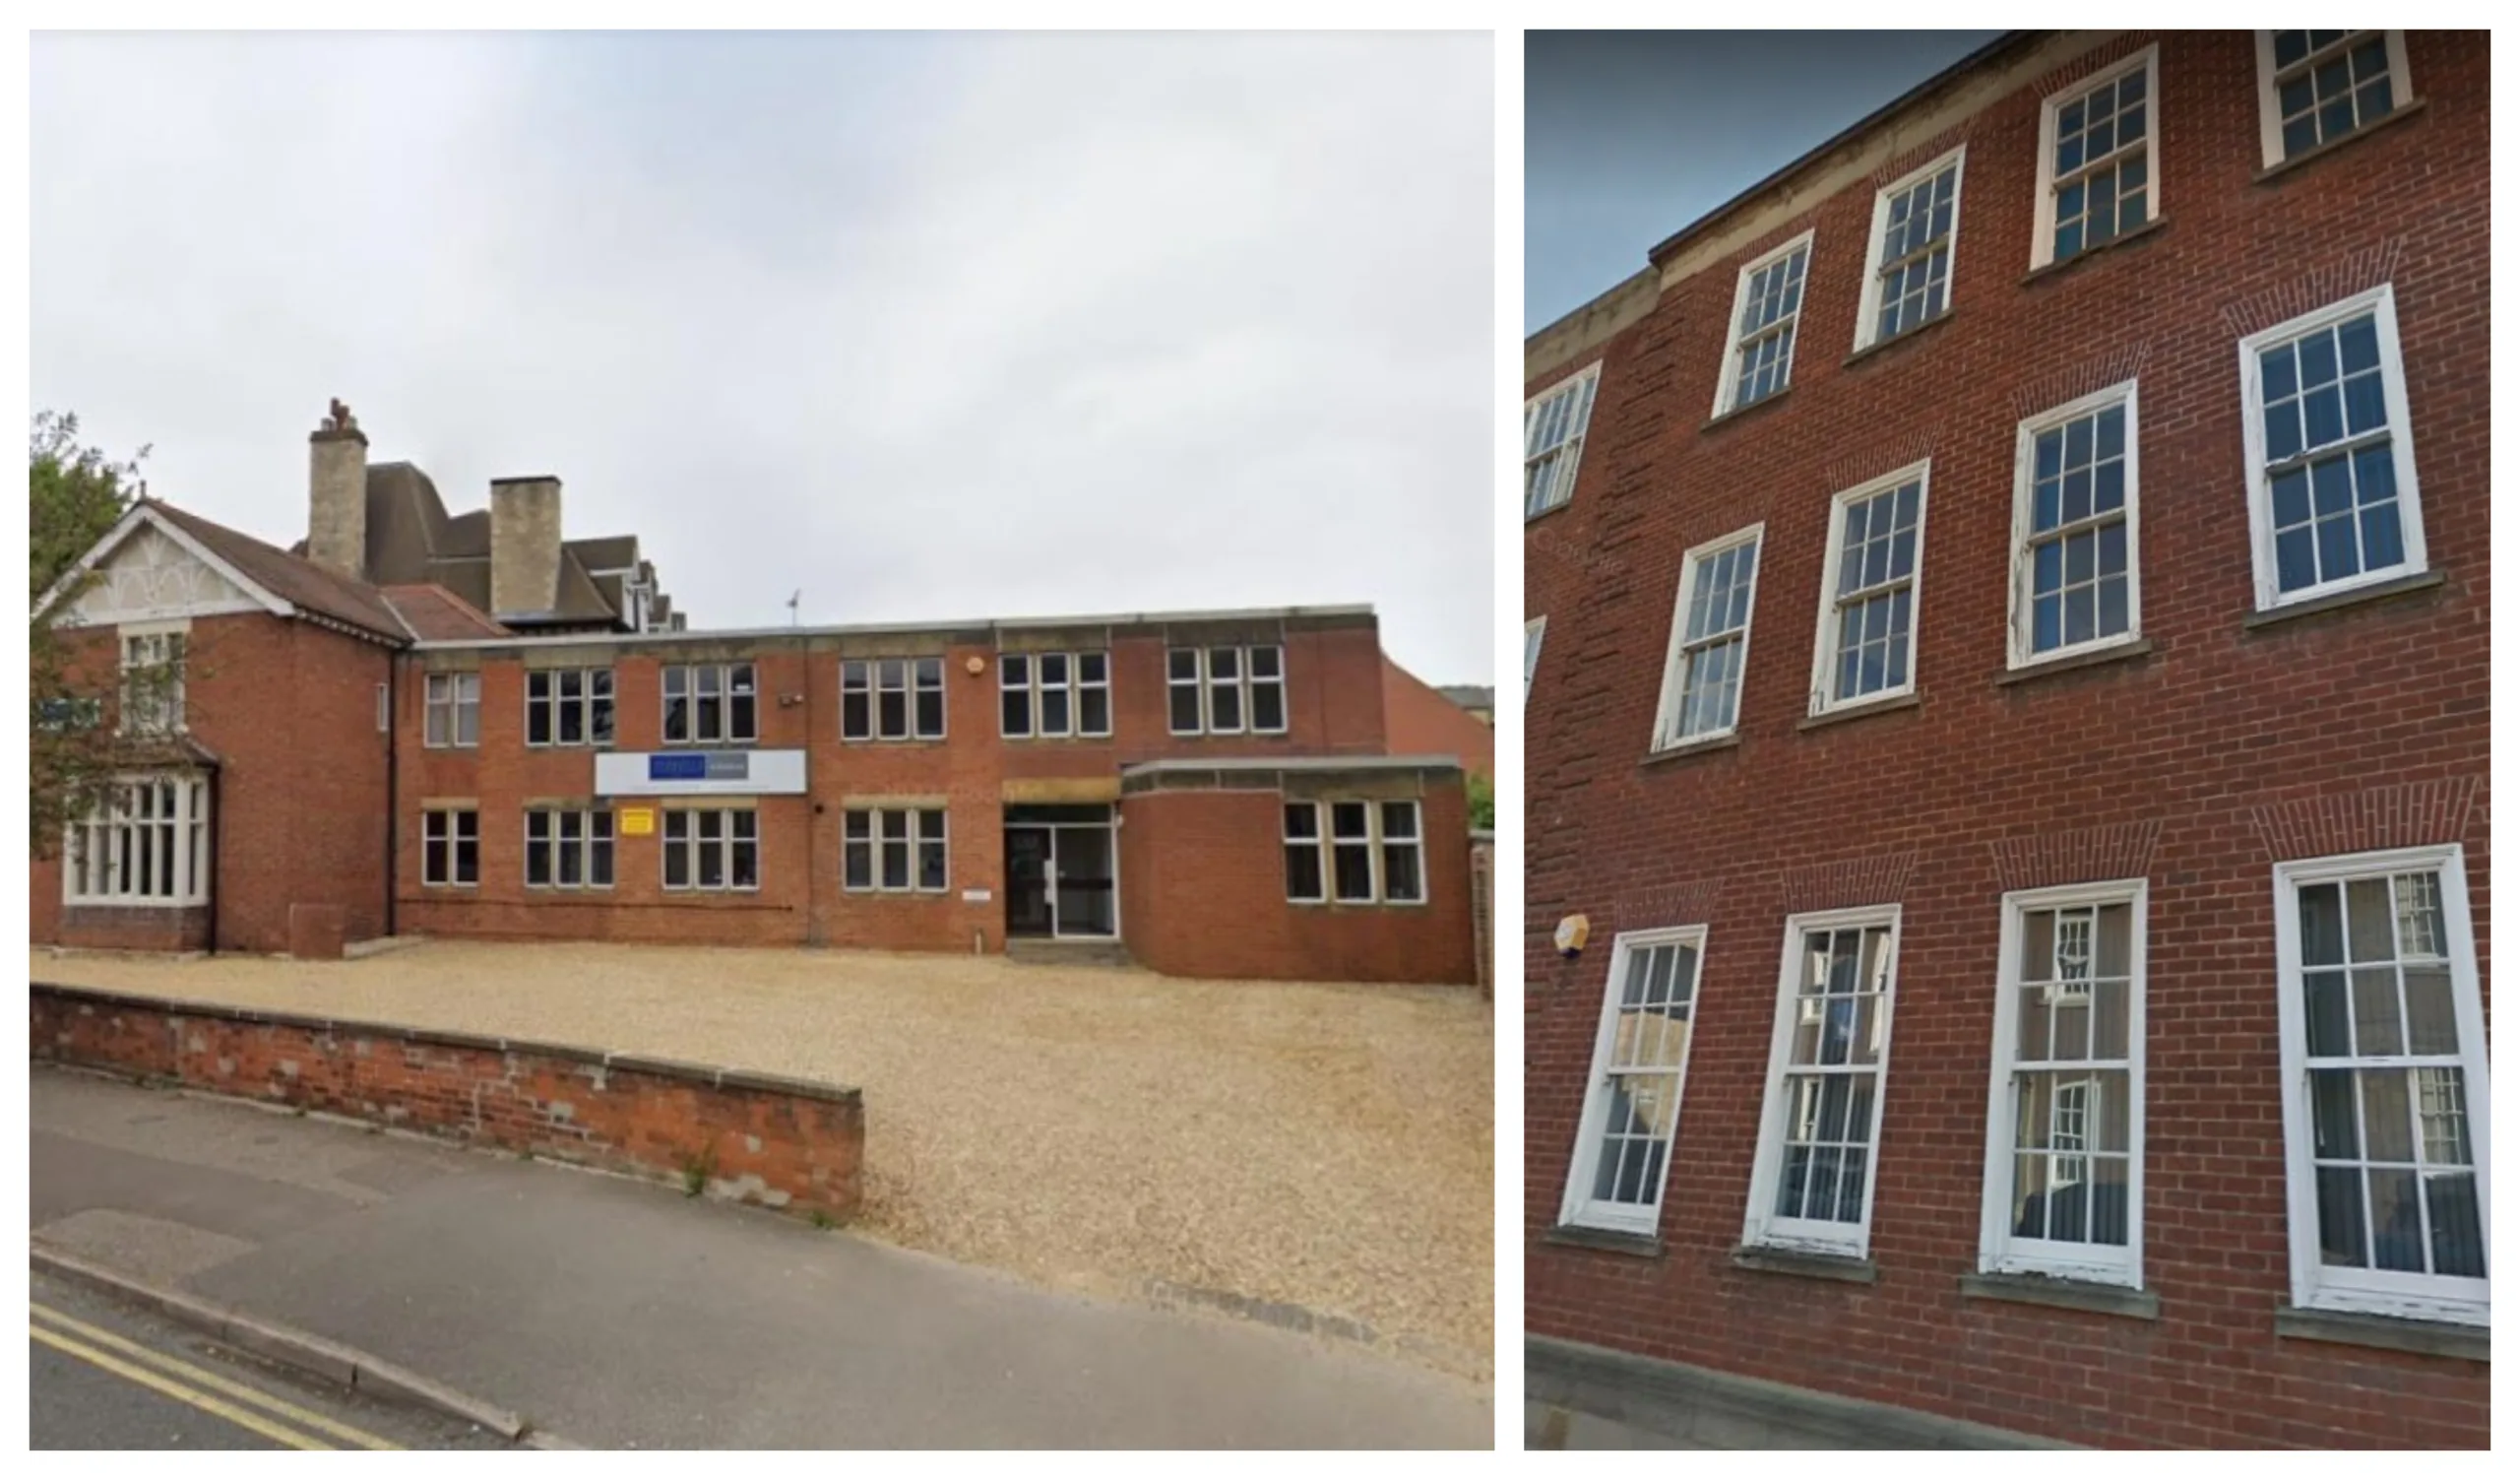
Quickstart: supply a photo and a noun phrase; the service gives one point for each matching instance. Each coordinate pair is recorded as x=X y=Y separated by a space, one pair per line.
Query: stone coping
x=669 y=1068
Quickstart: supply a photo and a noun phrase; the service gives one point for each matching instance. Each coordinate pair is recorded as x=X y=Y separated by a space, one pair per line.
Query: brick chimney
x=336 y=495
x=524 y=545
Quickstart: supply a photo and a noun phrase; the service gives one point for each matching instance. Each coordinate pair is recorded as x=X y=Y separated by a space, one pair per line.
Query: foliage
x=1483 y=802
x=75 y=494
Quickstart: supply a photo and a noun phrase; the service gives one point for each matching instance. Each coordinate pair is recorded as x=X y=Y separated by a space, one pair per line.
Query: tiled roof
x=292 y=578
x=437 y=614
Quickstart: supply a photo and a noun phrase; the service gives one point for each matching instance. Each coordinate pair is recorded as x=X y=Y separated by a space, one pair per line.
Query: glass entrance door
x=1062 y=872
x=1028 y=881
x=1081 y=857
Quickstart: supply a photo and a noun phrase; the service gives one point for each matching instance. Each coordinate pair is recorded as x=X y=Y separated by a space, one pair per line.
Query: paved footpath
x=105 y=1375
x=621 y=1315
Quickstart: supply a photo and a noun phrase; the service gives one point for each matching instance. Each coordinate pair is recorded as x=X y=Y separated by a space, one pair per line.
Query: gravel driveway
x=1325 y=1146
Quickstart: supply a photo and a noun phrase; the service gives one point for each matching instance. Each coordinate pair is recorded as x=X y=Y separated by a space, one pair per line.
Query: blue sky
x=1631 y=136
x=931 y=327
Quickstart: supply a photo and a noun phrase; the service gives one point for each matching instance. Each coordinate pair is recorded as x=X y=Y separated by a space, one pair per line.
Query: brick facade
x=2231 y=744
x=283 y=716
x=1205 y=882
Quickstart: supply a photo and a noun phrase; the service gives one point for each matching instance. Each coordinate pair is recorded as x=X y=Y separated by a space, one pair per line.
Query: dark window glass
x=1092 y=710
x=892 y=700
x=931 y=849
x=858 y=852
x=599 y=850
x=467 y=848
x=710 y=829
x=599 y=706
x=537 y=709
x=538 y=849
x=677 y=704
x=571 y=871
x=896 y=827
x=677 y=850
x=746 y=865
x=1355 y=868
x=1304 y=871
x=709 y=710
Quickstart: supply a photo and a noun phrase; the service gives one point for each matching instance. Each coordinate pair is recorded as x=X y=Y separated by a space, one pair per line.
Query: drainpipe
x=393 y=780
x=218 y=823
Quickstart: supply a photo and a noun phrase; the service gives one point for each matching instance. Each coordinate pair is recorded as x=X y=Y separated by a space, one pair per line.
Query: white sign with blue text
x=700 y=773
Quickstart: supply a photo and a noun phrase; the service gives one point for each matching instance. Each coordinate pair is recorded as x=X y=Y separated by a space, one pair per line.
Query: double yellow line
x=280 y=1421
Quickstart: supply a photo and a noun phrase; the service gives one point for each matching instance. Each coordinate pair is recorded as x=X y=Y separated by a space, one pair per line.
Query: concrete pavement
x=623 y=1316
x=106 y=1376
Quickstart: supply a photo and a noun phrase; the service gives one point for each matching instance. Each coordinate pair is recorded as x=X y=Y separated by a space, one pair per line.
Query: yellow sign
x=638 y=821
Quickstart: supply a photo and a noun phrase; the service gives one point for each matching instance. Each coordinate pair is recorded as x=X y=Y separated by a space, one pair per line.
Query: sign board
x=700 y=773
x=637 y=821
x=974 y=896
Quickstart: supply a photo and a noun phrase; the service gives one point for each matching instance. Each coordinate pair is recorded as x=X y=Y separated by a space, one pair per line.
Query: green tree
x=74 y=494
x=1483 y=802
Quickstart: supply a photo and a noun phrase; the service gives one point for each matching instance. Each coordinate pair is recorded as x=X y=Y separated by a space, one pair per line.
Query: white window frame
x=438 y=826
x=2270 y=115
x=1824 y=648
x=1374 y=840
x=153 y=648
x=1243 y=684
x=588 y=703
x=2025 y=479
x=1998 y=1252
x=2042 y=235
x=100 y=841
x=2381 y=303
x=1576 y=1206
x=1316 y=842
x=691 y=844
x=552 y=846
x=1728 y=381
x=455 y=694
x=1761 y=1225
x=1568 y=451
x=2378 y=1292
x=727 y=689
x=1678 y=655
x=877 y=820
x=1867 y=326
x=867 y=681
x=1535 y=632
x=1033 y=686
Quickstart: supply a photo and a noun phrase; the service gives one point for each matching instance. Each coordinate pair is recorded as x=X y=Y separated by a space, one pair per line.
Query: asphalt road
x=106 y=1376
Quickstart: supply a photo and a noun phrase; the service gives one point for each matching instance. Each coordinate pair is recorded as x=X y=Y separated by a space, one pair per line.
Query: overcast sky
x=1631 y=136
x=930 y=327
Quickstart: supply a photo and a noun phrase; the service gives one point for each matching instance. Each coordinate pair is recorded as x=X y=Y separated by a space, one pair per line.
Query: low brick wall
x=793 y=1144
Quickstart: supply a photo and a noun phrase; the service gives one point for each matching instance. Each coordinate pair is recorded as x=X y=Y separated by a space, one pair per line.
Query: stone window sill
x=1836 y=1266
x=1743 y=413
x=2281 y=169
x=1906 y=335
x=2124 y=652
x=2063 y=1294
x=1908 y=700
x=1572 y=1236
x=2144 y=233
x=2378 y=591
x=2432 y=1338
x=1690 y=748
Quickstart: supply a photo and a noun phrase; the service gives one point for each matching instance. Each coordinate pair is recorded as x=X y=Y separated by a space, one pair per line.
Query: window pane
x=1094 y=711
x=1304 y=871
x=1353 y=864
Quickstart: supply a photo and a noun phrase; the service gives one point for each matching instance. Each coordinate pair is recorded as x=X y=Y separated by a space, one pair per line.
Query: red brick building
x=313 y=758
x=2007 y=695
